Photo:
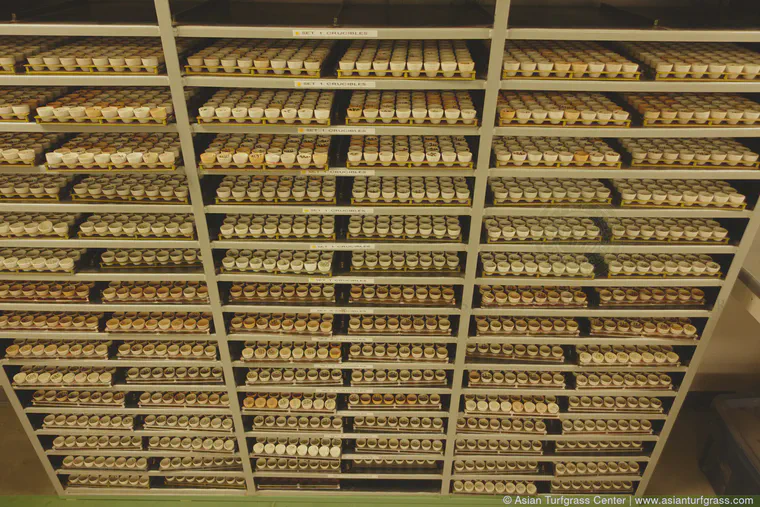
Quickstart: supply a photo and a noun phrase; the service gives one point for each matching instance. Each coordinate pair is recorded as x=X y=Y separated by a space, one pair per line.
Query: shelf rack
x=498 y=31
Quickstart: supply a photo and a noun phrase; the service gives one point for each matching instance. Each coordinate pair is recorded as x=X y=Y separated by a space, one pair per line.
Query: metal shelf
x=80 y=29
x=133 y=388
x=604 y=248
x=20 y=126
x=348 y=365
x=498 y=28
x=159 y=453
x=342 y=245
x=99 y=243
x=568 y=367
x=401 y=279
x=347 y=436
x=103 y=307
x=718 y=173
x=345 y=339
x=276 y=32
x=111 y=362
x=350 y=310
x=75 y=207
x=571 y=85
x=541 y=477
x=375 y=128
x=405 y=455
x=601 y=282
x=115 y=337
x=637 y=132
x=574 y=392
x=156 y=473
x=331 y=83
x=549 y=458
x=343 y=171
x=337 y=210
x=129 y=410
x=655 y=311
x=353 y=475
x=616 y=212
x=576 y=340
x=85 y=79
x=568 y=438
x=344 y=389
x=106 y=276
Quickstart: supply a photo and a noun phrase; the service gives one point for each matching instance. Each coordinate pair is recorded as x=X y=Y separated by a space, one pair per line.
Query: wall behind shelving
x=731 y=362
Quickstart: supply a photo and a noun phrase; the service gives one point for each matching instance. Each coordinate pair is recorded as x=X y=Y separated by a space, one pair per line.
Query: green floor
x=283 y=501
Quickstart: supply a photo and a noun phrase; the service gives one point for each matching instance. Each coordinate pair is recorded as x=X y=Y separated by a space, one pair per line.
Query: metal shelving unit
x=457 y=389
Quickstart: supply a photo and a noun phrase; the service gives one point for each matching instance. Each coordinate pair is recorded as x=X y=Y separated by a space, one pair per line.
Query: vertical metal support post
x=196 y=198
x=498 y=38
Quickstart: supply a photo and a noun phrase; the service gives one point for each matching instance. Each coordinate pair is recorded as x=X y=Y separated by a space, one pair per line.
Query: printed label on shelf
x=338 y=172
x=335 y=246
x=346 y=33
x=343 y=339
x=343 y=389
x=337 y=130
x=338 y=211
x=336 y=83
x=327 y=366
x=351 y=172
x=369 y=281
x=363 y=366
x=347 y=311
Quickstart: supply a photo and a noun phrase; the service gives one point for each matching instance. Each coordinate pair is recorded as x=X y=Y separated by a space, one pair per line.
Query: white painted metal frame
x=470 y=278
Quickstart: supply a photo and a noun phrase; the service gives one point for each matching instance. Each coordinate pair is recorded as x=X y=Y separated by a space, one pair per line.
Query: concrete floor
x=677 y=474
x=26 y=476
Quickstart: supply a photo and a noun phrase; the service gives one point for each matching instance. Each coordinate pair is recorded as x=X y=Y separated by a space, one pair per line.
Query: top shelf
x=335 y=20
x=122 y=18
x=322 y=20
x=79 y=29
x=607 y=23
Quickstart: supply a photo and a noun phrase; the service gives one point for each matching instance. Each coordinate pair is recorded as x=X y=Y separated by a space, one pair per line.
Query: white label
x=368 y=281
x=333 y=246
x=351 y=172
x=337 y=130
x=338 y=211
x=345 y=33
x=336 y=83
x=327 y=366
x=353 y=390
x=342 y=389
x=338 y=172
x=348 y=311
x=343 y=339
x=363 y=366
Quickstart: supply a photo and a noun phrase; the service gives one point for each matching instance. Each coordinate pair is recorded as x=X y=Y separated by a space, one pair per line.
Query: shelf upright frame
x=493 y=80
x=173 y=69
